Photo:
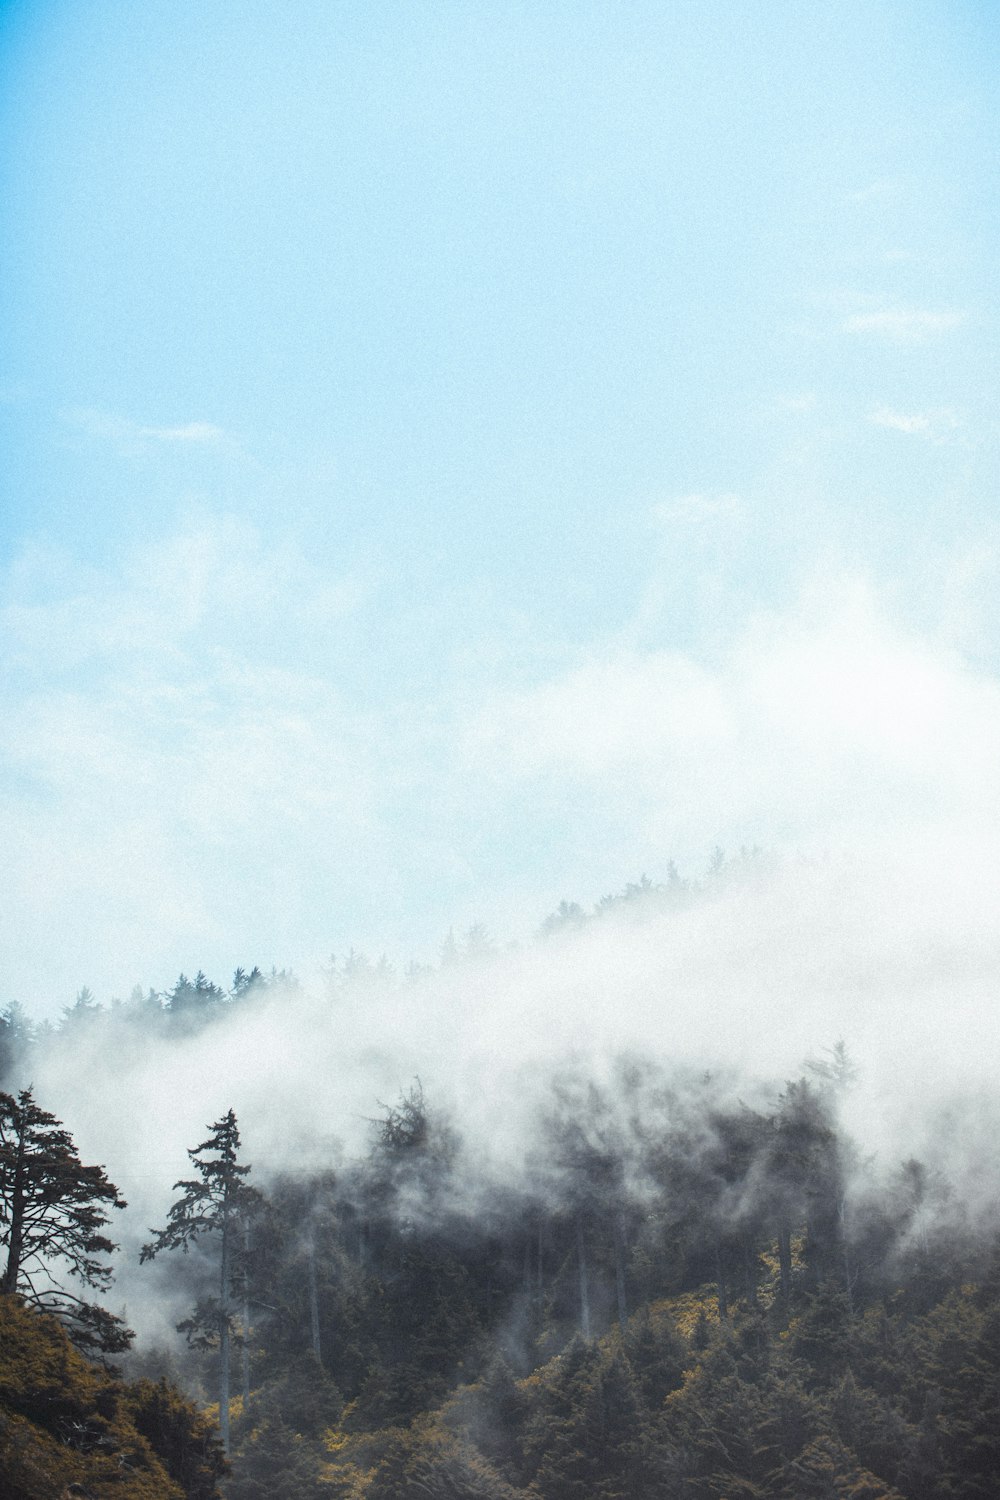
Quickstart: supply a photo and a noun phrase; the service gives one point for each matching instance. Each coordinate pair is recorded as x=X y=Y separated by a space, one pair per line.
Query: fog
x=746 y=977
x=854 y=744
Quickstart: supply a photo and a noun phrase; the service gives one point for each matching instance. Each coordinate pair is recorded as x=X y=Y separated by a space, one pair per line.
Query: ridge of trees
x=191 y=1004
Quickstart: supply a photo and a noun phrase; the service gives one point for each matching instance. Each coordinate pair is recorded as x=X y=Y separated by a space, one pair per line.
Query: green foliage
x=277 y=1463
x=15 y=1043
x=302 y=1397
x=430 y=1462
x=593 y=1440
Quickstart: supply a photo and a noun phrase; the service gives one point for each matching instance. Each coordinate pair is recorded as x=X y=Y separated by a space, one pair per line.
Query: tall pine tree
x=217 y=1202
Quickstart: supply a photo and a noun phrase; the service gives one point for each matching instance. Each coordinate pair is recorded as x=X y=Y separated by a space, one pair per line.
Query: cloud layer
x=197 y=776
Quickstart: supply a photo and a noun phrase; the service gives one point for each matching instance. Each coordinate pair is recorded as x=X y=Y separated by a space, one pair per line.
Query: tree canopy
x=53 y=1210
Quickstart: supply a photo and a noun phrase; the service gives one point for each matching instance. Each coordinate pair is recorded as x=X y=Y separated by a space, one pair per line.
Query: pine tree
x=277 y=1463
x=15 y=1042
x=53 y=1210
x=217 y=1202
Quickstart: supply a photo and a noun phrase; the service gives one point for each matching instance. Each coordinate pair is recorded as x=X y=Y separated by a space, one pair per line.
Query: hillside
x=70 y=1427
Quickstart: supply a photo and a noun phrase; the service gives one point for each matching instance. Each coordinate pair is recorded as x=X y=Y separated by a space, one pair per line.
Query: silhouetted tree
x=193 y=1002
x=53 y=1210
x=215 y=1203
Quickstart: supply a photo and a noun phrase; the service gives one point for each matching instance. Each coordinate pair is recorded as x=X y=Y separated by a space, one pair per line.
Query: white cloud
x=826 y=722
x=904 y=325
x=189 y=432
x=629 y=711
x=137 y=437
x=699 y=508
x=193 y=778
x=214 y=581
x=936 y=426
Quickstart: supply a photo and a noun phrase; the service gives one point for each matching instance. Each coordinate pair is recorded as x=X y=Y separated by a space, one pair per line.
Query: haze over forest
x=499 y=578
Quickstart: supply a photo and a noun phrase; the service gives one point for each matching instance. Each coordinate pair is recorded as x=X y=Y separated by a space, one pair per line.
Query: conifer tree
x=53 y=1210
x=217 y=1202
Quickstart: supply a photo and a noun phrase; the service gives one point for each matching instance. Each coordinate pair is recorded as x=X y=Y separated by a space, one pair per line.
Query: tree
x=217 y=1202
x=277 y=1463
x=53 y=1210
x=184 y=1438
x=15 y=1041
x=191 y=1004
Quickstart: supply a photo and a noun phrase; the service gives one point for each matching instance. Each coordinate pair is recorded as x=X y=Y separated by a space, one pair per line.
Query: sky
x=459 y=458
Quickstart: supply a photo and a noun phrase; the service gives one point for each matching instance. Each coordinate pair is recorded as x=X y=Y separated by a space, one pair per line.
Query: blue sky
x=460 y=456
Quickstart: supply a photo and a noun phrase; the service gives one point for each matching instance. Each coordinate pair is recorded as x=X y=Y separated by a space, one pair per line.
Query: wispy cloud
x=699 y=508
x=882 y=190
x=799 y=403
x=131 y=436
x=190 y=432
x=937 y=426
x=904 y=325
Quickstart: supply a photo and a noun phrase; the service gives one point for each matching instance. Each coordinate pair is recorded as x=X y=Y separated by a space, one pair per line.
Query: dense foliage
x=69 y=1427
x=680 y=1298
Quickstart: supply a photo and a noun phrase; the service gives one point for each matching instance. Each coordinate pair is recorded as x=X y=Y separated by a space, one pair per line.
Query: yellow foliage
x=687 y=1310
x=63 y=1420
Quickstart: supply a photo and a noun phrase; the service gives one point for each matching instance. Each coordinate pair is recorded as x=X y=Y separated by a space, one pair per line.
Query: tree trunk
x=313 y=1297
x=224 y=1339
x=581 y=1253
x=750 y=1269
x=245 y=1350
x=848 y=1276
x=785 y=1261
x=619 y=1238
x=720 y=1277
x=16 y=1239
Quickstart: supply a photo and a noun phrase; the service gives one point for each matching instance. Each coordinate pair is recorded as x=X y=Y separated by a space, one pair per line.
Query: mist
x=743 y=977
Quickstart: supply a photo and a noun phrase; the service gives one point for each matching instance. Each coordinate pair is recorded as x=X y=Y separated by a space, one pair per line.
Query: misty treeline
x=679 y=1282
x=692 y=1285
x=189 y=1004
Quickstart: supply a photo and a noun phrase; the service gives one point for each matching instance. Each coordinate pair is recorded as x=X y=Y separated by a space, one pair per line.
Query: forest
x=696 y=1283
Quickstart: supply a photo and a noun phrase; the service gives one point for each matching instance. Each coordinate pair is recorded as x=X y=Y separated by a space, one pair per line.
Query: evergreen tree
x=277 y=1463
x=185 y=1439
x=15 y=1041
x=217 y=1202
x=53 y=1210
x=191 y=1003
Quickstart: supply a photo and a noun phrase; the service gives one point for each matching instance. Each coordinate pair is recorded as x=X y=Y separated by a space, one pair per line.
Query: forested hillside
x=692 y=1283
